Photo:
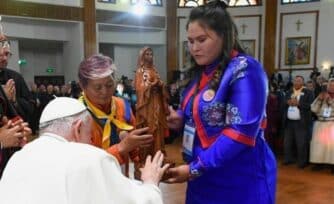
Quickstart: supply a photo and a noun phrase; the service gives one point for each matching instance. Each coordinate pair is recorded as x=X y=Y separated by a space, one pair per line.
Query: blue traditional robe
x=235 y=162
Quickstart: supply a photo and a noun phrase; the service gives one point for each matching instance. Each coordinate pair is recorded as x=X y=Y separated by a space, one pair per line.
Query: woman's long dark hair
x=214 y=16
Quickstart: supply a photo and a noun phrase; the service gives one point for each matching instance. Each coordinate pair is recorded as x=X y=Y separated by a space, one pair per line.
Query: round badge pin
x=208 y=95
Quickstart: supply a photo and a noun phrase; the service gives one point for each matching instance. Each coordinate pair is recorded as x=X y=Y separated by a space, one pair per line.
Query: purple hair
x=96 y=66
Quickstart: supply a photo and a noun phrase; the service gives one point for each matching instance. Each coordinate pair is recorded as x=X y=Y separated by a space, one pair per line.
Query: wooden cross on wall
x=298 y=23
x=244 y=26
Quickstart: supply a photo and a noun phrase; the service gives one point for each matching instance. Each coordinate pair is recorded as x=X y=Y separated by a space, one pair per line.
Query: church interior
x=49 y=38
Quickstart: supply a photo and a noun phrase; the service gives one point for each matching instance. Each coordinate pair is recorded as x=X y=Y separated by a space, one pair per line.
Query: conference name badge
x=188 y=139
x=327 y=112
x=208 y=95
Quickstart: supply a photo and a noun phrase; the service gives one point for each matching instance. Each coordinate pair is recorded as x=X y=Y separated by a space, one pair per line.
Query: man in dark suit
x=297 y=120
x=14 y=84
x=17 y=103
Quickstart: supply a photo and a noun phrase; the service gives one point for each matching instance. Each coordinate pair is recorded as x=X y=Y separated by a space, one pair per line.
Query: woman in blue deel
x=223 y=117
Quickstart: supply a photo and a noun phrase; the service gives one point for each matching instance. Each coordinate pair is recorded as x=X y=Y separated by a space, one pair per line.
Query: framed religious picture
x=297 y=50
x=186 y=57
x=249 y=46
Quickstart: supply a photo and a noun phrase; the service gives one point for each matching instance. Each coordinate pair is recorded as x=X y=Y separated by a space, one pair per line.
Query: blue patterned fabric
x=233 y=171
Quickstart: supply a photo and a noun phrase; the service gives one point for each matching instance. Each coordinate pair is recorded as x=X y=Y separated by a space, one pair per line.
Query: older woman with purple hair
x=113 y=127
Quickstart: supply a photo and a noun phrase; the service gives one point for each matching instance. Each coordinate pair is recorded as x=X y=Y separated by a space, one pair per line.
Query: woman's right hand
x=174 y=120
x=10 y=91
x=178 y=174
x=11 y=135
x=135 y=138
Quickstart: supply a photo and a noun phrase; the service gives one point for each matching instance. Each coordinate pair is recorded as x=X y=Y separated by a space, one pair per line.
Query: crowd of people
x=42 y=94
x=300 y=120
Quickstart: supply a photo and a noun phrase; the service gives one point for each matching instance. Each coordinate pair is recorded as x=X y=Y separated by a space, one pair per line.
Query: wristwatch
x=194 y=173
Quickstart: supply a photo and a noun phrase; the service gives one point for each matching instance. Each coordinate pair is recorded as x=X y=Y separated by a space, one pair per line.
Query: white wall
x=126 y=6
x=13 y=61
x=70 y=33
x=126 y=59
x=251 y=32
x=73 y=52
x=134 y=37
x=127 y=43
x=160 y=60
x=183 y=64
x=35 y=29
x=289 y=30
x=325 y=55
x=325 y=46
x=38 y=60
x=77 y=3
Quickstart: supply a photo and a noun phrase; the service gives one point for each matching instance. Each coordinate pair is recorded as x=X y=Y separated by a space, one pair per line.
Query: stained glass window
x=194 y=3
x=107 y=1
x=296 y=1
x=245 y=2
x=148 y=2
x=190 y=3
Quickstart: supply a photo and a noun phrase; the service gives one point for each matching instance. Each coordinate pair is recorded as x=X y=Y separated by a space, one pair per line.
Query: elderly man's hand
x=11 y=135
x=153 y=169
x=135 y=138
x=25 y=130
x=10 y=90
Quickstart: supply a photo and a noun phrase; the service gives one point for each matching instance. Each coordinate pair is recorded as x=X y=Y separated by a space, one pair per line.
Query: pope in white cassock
x=58 y=168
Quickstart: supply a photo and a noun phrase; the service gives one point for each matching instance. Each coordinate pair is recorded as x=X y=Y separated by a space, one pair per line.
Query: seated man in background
x=56 y=168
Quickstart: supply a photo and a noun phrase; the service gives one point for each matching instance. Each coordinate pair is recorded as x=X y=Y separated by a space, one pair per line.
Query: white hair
x=62 y=126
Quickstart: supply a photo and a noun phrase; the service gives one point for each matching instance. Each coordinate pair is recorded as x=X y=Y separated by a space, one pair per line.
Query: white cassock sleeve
x=92 y=181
